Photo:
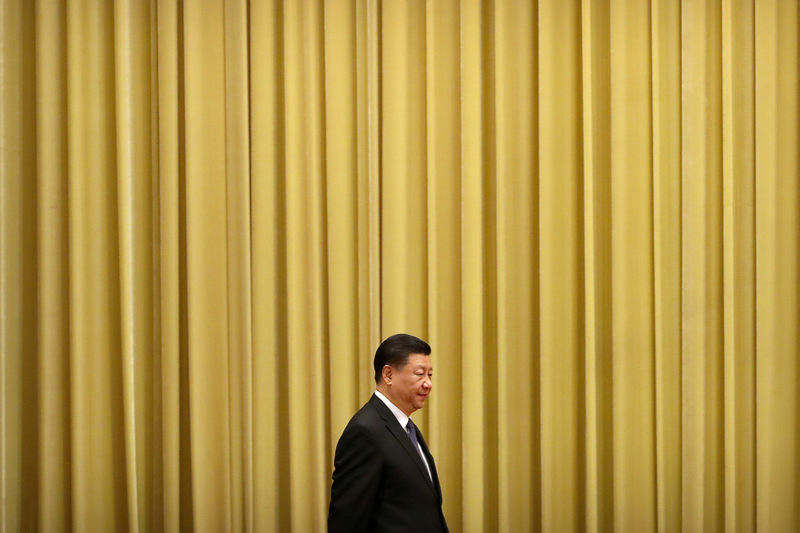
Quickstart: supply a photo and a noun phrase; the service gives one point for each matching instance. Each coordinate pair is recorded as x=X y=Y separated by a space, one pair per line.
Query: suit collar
x=401 y=417
x=400 y=434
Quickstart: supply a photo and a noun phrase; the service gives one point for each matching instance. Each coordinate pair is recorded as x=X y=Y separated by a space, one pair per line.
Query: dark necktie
x=411 y=429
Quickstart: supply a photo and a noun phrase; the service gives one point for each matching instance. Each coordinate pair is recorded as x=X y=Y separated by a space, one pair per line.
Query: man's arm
x=356 y=477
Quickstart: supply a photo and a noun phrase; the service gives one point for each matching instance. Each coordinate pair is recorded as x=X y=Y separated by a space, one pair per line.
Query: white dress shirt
x=403 y=419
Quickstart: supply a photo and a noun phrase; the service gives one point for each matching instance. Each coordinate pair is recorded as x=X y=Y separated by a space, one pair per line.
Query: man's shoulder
x=367 y=418
x=367 y=414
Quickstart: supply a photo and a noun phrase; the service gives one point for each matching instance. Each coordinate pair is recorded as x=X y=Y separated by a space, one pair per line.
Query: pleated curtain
x=212 y=212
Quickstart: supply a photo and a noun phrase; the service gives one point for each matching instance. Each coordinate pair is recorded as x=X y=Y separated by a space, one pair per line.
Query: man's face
x=411 y=384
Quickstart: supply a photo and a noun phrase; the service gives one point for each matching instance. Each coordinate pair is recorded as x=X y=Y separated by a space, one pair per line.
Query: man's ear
x=387 y=374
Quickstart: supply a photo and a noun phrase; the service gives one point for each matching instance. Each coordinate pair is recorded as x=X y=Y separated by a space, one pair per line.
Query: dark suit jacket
x=379 y=480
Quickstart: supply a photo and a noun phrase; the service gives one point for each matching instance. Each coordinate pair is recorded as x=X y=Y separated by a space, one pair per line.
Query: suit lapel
x=402 y=437
x=431 y=464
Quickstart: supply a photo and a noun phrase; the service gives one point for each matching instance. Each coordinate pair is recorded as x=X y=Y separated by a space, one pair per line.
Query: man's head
x=403 y=371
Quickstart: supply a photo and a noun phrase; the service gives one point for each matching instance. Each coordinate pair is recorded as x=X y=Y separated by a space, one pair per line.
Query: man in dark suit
x=384 y=477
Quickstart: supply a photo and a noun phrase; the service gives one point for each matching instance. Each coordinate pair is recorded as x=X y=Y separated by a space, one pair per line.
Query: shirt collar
x=400 y=415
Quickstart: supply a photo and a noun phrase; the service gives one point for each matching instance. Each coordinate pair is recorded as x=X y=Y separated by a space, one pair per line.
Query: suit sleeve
x=357 y=470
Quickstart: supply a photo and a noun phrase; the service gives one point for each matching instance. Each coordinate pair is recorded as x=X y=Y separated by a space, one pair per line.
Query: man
x=384 y=477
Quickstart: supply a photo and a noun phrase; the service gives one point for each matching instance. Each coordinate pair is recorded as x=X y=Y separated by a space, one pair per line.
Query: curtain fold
x=212 y=212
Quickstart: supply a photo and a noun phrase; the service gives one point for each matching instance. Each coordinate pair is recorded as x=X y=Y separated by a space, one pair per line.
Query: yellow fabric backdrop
x=213 y=211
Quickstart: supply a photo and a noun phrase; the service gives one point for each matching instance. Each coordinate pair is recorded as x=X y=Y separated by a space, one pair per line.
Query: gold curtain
x=212 y=211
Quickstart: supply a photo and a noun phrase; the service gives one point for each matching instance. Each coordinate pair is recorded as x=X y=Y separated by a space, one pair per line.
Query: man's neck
x=383 y=390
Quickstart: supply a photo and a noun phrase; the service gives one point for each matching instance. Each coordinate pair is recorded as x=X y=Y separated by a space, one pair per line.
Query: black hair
x=394 y=351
